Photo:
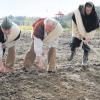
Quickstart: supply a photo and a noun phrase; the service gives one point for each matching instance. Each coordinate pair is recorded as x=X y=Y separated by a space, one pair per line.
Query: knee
x=75 y=43
x=52 y=50
x=86 y=48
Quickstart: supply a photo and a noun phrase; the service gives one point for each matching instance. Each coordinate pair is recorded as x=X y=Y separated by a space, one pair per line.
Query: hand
x=45 y=51
x=3 y=46
x=87 y=40
x=39 y=62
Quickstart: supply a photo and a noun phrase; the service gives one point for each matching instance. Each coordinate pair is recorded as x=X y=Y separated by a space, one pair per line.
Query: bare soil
x=70 y=82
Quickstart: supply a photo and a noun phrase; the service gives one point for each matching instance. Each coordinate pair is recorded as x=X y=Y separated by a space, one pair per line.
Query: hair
x=6 y=24
x=89 y=4
x=50 y=21
x=90 y=21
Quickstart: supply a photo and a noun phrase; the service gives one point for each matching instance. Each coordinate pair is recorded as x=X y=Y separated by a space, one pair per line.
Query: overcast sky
x=42 y=8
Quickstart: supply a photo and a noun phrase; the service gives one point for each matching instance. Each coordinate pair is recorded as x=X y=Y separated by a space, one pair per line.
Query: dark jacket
x=90 y=22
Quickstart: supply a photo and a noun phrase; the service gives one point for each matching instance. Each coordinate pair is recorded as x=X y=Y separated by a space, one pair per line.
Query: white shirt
x=38 y=45
x=13 y=35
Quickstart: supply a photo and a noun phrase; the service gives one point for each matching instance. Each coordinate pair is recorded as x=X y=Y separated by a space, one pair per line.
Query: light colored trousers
x=30 y=57
x=10 y=57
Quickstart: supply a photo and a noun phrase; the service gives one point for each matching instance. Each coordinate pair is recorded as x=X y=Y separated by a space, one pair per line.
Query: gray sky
x=42 y=8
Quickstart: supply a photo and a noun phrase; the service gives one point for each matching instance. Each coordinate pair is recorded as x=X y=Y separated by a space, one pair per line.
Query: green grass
x=29 y=28
x=25 y=28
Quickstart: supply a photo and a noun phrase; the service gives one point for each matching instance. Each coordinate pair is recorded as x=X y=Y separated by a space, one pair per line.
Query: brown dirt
x=70 y=82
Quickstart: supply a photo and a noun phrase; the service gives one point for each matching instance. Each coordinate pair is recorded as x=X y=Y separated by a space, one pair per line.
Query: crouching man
x=9 y=34
x=46 y=32
x=84 y=25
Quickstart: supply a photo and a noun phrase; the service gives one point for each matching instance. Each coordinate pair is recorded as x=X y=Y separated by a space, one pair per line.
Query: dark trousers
x=76 y=43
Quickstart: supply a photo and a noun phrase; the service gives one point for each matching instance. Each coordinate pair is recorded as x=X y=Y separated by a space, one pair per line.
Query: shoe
x=51 y=69
x=51 y=72
x=26 y=69
x=6 y=70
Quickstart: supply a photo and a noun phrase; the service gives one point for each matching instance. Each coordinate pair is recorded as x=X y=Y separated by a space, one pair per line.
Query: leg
x=74 y=44
x=29 y=57
x=86 y=49
x=52 y=59
x=10 y=57
x=3 y=69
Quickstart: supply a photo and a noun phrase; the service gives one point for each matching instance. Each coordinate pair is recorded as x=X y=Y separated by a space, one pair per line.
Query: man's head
x=89 y=7
x=6 y=25
x=49 y=24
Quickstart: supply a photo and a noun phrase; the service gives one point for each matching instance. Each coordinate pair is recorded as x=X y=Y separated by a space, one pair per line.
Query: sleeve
x=38 y=46
x=14 y=33
x=54 y=34
x=53 y=44
x=97 y=21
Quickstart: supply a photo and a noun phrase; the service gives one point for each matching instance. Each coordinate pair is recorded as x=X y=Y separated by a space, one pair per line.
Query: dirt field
x=70 y=82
